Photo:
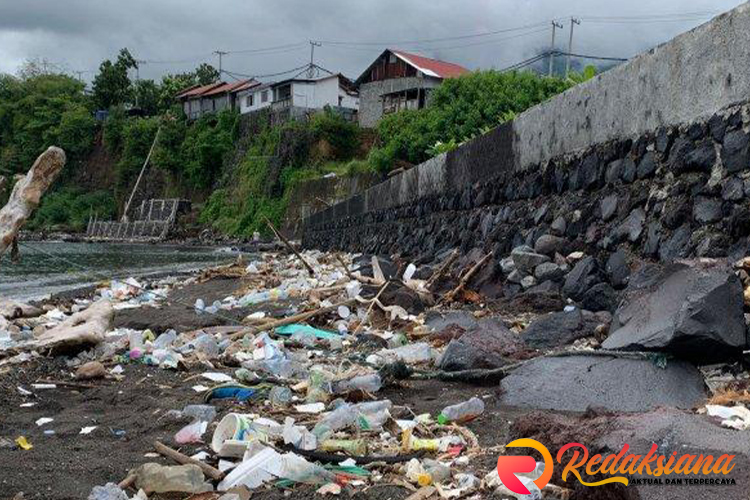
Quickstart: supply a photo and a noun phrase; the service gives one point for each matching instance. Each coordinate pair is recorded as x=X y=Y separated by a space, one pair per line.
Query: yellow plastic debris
x=23 y=443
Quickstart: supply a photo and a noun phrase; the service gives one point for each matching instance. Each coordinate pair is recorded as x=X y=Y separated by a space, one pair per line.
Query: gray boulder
x=576 y=383
x=527 y=261
x=583 y=276
x=693 y=309
x=548 y=271
x=485 y=346
x=548 y=244
x=557 y=329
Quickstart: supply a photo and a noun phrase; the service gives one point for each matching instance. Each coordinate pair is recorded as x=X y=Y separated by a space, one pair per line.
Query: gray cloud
x=79 y=34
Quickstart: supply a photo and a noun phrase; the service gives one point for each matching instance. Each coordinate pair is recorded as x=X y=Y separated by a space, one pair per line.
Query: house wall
x=257 y=104
x=370 y=95
x=320 y=94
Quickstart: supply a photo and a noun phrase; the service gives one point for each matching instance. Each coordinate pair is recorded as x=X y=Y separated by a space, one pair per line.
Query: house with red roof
x=399 y=80
x=201 y=99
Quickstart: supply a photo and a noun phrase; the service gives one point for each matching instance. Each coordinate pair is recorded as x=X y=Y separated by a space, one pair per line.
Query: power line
x=442 y=39
x=268 y=75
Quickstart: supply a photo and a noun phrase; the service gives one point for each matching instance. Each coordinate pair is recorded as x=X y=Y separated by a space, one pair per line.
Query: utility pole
x=80 y=75
x=573 y=21
x=555 y=25
x=220 y=53
x=313 y=44
x=138 y=63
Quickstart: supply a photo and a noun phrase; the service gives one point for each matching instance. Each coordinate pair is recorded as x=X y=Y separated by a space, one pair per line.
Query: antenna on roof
x=311 y=69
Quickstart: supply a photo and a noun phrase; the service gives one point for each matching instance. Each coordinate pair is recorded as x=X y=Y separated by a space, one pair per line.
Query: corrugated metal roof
x=431 y=67
x=217 y=88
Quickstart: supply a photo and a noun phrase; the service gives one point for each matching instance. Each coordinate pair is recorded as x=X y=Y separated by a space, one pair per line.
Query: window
x=249 y=100
x=264 y=96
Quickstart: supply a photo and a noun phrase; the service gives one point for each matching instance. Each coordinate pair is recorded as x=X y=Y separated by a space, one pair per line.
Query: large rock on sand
x=488 y=345
x=691 y=308
x=576 y=383
x=560 y=328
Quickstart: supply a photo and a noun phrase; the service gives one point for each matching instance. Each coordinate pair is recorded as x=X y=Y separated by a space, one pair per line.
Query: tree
x=205 y=74
x=147 y=95
x=171 y=85
x=112 y=84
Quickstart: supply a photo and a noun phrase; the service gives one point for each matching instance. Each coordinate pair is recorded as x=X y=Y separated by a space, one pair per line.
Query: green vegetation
x=195 y=158
x=278 y=158
x=69 y=208
x=460 y=109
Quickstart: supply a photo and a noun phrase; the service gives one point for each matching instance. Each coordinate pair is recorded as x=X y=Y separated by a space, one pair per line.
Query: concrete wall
x=371 y=103
x=684 y=80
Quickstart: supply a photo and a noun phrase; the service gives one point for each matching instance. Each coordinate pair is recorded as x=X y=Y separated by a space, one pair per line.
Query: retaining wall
x=653 y=154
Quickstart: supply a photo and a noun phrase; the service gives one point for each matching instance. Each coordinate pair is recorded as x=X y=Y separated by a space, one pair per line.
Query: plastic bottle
x=280 y=396
x=368 y=383
x=350 y=446
x=264 y=296
x=199 y=413
x=462 y=412
x=109 y=491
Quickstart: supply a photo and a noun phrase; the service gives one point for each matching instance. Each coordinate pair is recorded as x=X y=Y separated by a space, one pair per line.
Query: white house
x=300 y=94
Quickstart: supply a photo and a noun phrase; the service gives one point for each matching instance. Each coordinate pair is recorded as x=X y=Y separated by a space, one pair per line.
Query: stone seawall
x=653 y=153
x=675 y=192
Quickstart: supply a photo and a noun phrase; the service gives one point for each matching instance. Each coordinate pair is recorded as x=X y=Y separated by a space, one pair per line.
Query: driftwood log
x=27 y=193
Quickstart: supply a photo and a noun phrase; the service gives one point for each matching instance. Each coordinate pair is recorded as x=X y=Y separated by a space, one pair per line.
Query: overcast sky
x=176 y=35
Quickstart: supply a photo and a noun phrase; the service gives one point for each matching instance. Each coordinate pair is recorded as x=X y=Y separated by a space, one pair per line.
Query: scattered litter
x=88 y=430
x=22 y=442
x=737 y=417
x=45 y=420
x=217 y=377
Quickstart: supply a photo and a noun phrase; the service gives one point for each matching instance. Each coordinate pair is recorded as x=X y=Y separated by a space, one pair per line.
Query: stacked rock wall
x=653 y=154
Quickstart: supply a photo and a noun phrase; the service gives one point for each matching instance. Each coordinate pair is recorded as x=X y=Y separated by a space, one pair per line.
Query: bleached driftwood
x=86 y=327
x=27 y=193
x=12 y=309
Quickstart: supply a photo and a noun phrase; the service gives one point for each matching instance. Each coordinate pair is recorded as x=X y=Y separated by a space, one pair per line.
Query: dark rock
x=717 y=126
x=577 y=383
x=628 y=170
x=558 y=329
x=713 y=245
x=486 y=346
x=653 y=238
x=389 y=268
x=558 y=226
x=545 y=287
x=590 y=171
x=693 y=309
x=677 y=155
x=548 y=244
x=527 y=261
x=439 y=321
x=647 y=166
x=548 y=271
x=733 y=189
x=583 y=276
x=695 y=131
x=707 y=210
x=702 y=158
x=608 y=207
x=676 y=211
x=664 y=141
x=736 y=151
x=631 y=228
x=617 y=269
x=600 y=297
x=614 y=172
x=677 y=246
